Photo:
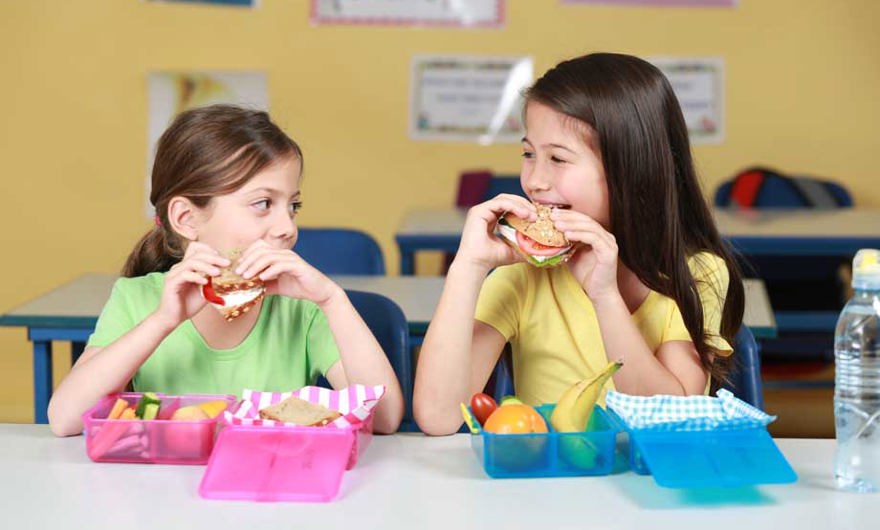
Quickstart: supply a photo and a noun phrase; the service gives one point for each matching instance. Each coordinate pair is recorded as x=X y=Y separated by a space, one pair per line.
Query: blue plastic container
x=551 y=454
x=732 y=457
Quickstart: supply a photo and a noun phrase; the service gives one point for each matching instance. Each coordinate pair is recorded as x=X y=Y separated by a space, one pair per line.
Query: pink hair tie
x=157 y=221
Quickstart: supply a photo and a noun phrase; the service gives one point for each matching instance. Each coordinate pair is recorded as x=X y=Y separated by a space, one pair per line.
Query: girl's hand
x=182 y=295
x=594 y=265
x=285 y=273
x=479 y=244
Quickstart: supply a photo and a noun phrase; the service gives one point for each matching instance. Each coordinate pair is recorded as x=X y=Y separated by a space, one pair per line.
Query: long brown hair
x=658 y=213
x=205 y=152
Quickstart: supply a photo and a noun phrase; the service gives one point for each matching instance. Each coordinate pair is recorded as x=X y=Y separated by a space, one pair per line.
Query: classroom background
x=800 y=96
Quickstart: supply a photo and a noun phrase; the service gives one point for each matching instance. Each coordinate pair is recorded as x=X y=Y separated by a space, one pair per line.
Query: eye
x=557 y=160
x=294 y=208
x=262 y=204
x=528 y=155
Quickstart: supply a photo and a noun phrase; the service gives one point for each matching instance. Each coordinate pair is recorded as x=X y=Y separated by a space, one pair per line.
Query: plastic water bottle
x=857 y=380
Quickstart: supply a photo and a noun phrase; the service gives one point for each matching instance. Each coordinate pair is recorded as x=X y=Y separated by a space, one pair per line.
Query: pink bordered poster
x=470 y=13
x=661 y=3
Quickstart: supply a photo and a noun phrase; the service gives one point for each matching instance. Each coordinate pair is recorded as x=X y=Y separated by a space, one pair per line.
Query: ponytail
x=153 y=253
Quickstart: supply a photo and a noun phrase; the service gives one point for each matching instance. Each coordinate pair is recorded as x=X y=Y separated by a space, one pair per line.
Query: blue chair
x=745 y=375
x=388 y=324
x=340 y=251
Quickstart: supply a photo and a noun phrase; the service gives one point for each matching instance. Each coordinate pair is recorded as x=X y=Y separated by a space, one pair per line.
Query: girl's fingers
x=254 y=252
x=514 y=204
x=264 y=260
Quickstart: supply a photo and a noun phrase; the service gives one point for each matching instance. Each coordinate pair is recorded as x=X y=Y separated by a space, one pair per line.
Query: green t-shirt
x=288 y=348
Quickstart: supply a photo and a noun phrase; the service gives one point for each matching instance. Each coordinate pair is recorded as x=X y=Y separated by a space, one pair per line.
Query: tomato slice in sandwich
x=210 y=295
x=534 y=248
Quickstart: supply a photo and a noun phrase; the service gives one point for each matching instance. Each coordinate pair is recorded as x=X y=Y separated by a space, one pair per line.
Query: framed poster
x=473 y=13
x=699 y=85
x=240 y=3
x=170 y=93
x=468 y=98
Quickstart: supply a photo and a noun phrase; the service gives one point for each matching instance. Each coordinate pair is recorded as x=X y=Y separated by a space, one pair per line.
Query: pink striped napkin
x=355 y=403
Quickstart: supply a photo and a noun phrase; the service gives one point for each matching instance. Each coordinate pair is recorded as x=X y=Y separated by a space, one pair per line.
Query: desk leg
x=407 y=262
x=76 y=349
x=42 y=379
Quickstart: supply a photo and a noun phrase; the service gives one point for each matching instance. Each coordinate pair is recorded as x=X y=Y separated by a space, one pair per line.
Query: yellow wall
x=802 y=80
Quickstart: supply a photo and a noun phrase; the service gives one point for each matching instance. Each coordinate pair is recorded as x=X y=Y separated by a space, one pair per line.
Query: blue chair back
x=340 y=251
x=745 y=377
x=388 y=324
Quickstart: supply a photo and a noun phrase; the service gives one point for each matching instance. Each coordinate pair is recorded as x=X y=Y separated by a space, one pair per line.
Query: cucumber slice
x=151 y=411
x=147 y=399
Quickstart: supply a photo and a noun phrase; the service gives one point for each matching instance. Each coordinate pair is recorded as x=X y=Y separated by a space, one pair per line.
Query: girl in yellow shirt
x=652 y=283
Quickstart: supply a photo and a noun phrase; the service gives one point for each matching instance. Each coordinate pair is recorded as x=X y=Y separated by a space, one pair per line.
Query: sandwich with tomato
x=539 y=242
x=231 y=294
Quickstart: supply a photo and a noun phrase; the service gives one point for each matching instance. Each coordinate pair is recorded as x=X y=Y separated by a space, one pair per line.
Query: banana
x=574 y=408
x=571 y=415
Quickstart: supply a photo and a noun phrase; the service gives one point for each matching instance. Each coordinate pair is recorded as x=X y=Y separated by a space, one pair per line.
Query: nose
x=283 y=227
x=534 y=179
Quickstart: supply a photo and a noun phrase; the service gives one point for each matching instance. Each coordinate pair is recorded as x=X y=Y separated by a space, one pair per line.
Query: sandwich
x=538 y=242
x=231 y=294
x=300 y=412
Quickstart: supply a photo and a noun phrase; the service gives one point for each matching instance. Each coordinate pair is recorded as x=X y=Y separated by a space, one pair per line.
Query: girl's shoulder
x=706 y=265
x=140 y=285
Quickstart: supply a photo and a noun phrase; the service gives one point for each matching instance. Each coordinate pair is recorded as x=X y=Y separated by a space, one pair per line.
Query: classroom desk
x=787 y=232
x=408 y=481
x=69 y=313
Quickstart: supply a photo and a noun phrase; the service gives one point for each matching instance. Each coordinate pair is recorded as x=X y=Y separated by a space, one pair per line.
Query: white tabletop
x=417 y=296
x=407 y=481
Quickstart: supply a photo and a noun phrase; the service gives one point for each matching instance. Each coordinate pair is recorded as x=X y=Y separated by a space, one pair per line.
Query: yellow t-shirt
x=553 y=331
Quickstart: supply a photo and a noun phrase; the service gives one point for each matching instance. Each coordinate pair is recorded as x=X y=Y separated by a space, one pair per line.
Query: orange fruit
x=515 y=419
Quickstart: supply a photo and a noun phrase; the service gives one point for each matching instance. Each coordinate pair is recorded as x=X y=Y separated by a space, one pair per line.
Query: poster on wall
x=667 y=3
x=472 y=13
x=468 y=98
x=699 y=85
x=170 y=93
x=240 y=3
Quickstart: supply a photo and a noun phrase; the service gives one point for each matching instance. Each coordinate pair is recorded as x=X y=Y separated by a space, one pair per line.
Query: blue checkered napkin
x=690 y=413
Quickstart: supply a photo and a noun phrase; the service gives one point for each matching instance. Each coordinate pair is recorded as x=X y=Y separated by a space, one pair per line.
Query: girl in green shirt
x=224 y=178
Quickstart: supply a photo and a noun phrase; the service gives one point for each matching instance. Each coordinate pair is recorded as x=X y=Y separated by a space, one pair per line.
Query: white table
x=408 y=481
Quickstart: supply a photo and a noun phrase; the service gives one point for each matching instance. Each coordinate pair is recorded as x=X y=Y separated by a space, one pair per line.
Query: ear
x=184 y=218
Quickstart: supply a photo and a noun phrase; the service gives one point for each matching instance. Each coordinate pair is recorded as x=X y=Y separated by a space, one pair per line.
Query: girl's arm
x=362 y=361
x=675 y=368
x=100 y=371
x=457 y=356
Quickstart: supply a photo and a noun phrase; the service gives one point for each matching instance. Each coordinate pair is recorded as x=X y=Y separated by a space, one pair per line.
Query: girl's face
x=562 y=164
x=264 y=208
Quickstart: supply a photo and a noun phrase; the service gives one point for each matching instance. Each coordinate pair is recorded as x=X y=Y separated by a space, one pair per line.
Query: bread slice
x=541 y=230
x=300 y=412
x=239 y=295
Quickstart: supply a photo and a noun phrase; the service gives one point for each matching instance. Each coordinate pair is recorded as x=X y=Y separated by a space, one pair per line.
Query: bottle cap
x=866 y=269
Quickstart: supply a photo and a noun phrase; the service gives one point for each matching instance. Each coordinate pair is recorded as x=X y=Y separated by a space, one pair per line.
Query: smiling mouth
x=552 y=205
